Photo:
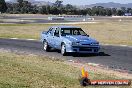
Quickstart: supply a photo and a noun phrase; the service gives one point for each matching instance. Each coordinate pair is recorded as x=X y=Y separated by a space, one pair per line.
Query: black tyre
x=46 y=47
x=63 y=49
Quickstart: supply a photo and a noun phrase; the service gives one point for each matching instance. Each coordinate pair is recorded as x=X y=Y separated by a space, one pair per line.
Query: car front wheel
x=46 y=46
x=63 y=49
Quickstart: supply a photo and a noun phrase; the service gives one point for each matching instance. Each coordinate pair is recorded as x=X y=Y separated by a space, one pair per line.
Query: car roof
x=64 y=26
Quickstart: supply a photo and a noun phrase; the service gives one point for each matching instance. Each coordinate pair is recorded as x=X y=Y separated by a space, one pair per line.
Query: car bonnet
x=80 y=38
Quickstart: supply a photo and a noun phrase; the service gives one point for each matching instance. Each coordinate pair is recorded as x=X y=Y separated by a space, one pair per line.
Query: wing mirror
x=56 y=34
x=44 y=32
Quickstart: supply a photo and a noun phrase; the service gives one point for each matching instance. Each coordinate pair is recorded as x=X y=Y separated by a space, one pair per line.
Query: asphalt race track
x=114 y=57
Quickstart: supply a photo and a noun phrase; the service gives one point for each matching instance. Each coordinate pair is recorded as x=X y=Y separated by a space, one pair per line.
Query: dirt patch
x=99 y=69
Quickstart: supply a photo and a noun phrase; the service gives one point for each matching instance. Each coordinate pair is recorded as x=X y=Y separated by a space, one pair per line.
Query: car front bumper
x=83 y=49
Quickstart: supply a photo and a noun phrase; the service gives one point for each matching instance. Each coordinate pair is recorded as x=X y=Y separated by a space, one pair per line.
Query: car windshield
x=72 y=31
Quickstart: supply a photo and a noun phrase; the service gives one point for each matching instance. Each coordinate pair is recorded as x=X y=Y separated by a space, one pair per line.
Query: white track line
x=93 y=64
x=22 y=39
x=14 y=38
x=31 y=39
x=74 y=23
x=117 y=45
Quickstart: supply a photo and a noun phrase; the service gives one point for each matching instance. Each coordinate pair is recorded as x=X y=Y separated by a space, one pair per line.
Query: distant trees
x=23 y=6
x=3 y=6
x=58 y=3
x=43 y=10
x=114 y=11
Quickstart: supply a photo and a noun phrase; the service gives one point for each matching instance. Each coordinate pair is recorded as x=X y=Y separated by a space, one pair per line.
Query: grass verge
x=31 y=71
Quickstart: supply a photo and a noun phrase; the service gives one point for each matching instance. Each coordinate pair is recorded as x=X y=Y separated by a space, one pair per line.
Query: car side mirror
x=56 y=34
x=44 y=32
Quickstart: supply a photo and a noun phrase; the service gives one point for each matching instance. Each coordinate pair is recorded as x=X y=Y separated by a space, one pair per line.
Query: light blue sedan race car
x=69 y=39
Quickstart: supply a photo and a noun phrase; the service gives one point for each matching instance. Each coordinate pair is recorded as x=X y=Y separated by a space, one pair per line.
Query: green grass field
x=105 y=32
x=32 y=71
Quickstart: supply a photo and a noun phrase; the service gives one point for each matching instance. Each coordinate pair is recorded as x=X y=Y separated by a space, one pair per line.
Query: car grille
x=86 y=44
x=89 y=49
x=85 y=49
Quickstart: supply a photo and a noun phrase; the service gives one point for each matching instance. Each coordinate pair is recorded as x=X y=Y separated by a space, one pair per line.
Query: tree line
x=25 y=7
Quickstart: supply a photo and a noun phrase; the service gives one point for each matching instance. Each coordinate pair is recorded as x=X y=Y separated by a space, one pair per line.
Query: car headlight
x=75 y=43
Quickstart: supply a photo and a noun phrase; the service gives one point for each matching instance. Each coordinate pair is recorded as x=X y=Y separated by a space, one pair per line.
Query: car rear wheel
x=63 y=49
x=46 y=46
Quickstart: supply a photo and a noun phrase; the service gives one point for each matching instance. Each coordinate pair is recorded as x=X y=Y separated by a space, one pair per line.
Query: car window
x=72 y=31
x=56 y=33
x=50 y=31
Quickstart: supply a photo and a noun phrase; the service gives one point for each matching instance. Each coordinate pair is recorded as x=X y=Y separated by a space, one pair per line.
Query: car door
x=57 y=39
x=50 y=36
